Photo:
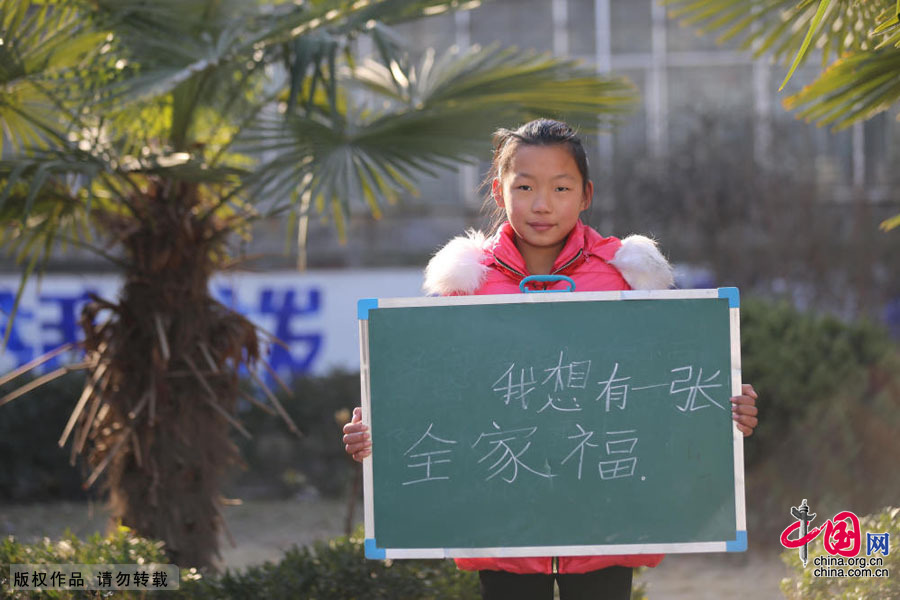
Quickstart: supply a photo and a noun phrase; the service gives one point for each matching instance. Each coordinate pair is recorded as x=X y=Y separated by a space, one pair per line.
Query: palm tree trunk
x=160 y=419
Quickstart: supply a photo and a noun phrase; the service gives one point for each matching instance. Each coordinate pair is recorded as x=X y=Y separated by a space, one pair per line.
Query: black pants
x=611 y=583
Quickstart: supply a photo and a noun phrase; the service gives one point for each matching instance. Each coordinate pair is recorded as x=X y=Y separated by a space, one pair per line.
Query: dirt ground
x=264 y=529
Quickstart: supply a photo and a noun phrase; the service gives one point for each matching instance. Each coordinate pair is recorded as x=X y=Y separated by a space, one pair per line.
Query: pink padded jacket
x=478 y=265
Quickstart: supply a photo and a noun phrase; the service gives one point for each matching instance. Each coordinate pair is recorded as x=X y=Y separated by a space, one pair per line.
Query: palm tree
x=859 y=42
x=153 y=133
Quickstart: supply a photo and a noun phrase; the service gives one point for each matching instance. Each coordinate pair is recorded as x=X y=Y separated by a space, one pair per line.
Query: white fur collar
x=642 y=264
x=458 y=267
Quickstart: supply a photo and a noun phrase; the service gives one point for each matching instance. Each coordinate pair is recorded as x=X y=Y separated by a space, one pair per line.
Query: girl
x=539 y=182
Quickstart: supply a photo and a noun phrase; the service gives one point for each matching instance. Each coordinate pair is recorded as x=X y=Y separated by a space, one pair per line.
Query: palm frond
x=888 y=27
x=890 y=223
x=153 y=58
x=440 y=115
x=40 y=45
x=780 y=27
x=41 y=178
x=38 y=207
x=856 y=87
x=291 y=20
x=321 y=33
x=494 y=78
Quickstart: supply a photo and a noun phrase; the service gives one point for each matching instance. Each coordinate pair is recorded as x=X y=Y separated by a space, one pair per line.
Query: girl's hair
x=540 y=132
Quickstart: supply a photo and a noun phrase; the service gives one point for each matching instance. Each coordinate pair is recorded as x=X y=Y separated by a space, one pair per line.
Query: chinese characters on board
x=567 y=386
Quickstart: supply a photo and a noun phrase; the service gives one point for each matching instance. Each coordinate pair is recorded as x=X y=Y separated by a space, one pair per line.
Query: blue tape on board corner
x=733 y=295
x=363 y=306
x=738 y=545
x=372 y=551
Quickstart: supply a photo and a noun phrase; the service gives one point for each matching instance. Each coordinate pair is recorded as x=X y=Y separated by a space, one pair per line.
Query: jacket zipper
x=566 y=266
x=507 y=267
x=555 y=564
x=554 y=272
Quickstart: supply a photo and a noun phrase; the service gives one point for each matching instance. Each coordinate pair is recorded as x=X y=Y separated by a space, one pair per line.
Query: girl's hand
x=743 y=410
x=357 y=441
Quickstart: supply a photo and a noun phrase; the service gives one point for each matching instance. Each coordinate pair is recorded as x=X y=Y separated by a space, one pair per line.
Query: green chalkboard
x=566 y=423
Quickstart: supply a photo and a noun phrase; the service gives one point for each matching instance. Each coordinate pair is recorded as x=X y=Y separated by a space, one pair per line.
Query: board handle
x=548 y=279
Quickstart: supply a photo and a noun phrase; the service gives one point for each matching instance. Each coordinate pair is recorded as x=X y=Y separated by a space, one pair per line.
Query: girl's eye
x=562 y=189
x=523 y=187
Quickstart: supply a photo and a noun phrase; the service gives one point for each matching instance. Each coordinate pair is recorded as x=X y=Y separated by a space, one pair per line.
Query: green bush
x=800 y=362
x=121 y=547
x=804 y=585
x=338 y=570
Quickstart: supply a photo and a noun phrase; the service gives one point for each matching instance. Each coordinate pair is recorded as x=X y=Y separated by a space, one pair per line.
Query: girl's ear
x=497 y=192
x=588 y=195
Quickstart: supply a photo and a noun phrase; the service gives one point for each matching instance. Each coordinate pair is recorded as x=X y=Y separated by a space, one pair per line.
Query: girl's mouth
x=540 y=226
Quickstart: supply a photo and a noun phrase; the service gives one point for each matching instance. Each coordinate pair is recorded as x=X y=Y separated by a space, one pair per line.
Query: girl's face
x=543 y=194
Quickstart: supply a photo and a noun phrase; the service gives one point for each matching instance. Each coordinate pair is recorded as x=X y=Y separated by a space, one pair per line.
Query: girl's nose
x=540 y=203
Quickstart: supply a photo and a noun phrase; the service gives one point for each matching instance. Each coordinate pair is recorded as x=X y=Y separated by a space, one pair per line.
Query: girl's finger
x=356 y=448
x=747 y=390
x=357 y=415
x=353 y=447
x=749 y=421
x=745 y=400
x=746 y=424
x=352 y=427
x=745 y=409
x=356 y=438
